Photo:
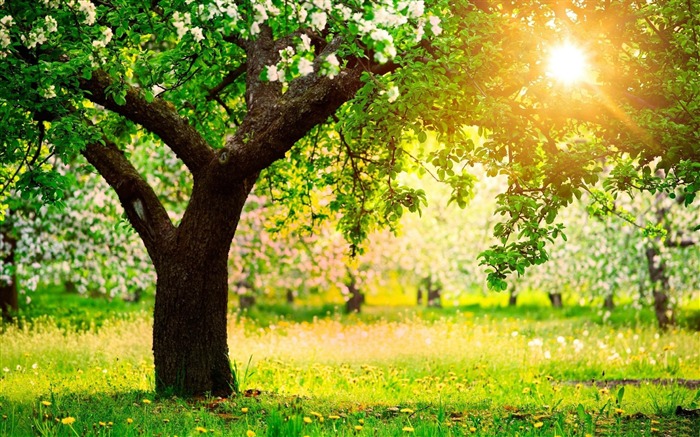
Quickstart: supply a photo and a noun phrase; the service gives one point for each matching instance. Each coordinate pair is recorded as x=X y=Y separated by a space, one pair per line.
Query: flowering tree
x=229 y=88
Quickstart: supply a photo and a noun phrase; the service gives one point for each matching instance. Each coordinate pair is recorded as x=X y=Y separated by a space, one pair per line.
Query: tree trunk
x=512 y=297
x=8 y=290
x=556 y=300
x=190 y=346
x=660 y=288
x=435 y=295
x=354 y=303
x=609 y=303
x=246 y=301
x=433 y=291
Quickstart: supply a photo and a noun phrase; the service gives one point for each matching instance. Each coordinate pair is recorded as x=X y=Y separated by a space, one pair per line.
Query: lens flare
x=567 y=63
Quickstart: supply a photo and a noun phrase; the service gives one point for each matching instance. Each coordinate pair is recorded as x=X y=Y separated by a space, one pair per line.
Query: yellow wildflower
x=46 y=403
x=334 y=416
x=201 y=430
x=244 y=410
x=129 y=420
x=358 y=427
x=250 y=433
x=146 y=401
x=472 y=429
x=307 y=419
x=538 y=425
x=68 y=420
x=407 y=410
x=407 y=429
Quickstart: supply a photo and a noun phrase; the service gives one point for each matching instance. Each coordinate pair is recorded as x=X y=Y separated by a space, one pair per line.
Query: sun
x=567 y=63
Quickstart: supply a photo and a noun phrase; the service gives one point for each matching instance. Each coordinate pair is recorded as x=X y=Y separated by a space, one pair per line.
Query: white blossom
x=305 y=66
x=272 y=73
x=392 y=94
x=50 y=24
x=48 y=93
x=197 y=33
x=305 y=44
x=435 y=25
x=106 y=38
x=181 y=22
x=318 y=20
x=87 y=8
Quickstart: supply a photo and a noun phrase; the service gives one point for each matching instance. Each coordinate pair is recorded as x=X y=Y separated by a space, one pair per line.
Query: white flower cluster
x=87 y=8
x=5 y=25
x=183 y=25
x=106 y=38
x=39 y=33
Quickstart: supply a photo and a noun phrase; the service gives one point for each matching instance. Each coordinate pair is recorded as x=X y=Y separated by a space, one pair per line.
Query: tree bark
x=8 y=291
x=190 y=346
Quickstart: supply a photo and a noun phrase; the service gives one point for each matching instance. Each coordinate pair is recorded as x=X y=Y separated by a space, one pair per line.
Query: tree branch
x=229 y=79
x=158 y=117
x=142 y=206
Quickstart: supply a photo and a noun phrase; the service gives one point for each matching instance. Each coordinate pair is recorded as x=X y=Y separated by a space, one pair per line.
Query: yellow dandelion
x=166 y=420
x=654 y=422
x=407 y=410
x=317 y=414
x=538 y=425
x=68 y=420
x=250 y=433
x=358 y=427
x=102 y=423
x=472 y=429
x=201 y=430
x=146 y=401
x=619 y=411
x=110 y=423
x=46 y=403
x=407 y=429
x=244 y=410
x=334 y=417
x=526 y=390
x=307 y=419
x=654 y=429
x=129 y=420
x=361 y=421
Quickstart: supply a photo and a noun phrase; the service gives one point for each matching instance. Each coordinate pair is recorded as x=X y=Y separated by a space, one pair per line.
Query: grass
x=453 y=372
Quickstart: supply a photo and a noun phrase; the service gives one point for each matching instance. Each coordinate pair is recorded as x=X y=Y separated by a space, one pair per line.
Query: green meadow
x=468 y=371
